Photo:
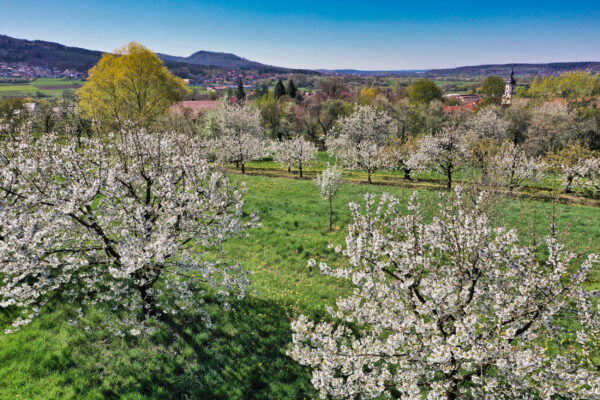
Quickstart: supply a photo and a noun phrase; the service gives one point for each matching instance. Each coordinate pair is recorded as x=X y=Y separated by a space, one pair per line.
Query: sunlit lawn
x=243 y=355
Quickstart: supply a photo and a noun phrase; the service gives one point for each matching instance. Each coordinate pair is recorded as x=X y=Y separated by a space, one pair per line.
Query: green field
x=39 y=85
x=243 y=356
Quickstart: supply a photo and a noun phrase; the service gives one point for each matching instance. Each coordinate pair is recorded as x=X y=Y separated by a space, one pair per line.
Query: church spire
x=511 y=85
x=512 y=75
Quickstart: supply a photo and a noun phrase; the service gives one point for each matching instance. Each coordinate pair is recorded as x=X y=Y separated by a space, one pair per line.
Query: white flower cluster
x=241 y=136
x=120 y=224
x=443 y=152
x=451 y=309
x=295 y=153
x=587 y=175
x=329 y=182
x=488 y=124
x=513 y=167
x=360 y=139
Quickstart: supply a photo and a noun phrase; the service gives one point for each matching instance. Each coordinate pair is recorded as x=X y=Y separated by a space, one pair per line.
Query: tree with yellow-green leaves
x=131 y=85
x=570 y=85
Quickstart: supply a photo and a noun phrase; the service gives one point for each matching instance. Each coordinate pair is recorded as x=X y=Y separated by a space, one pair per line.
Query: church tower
x=511 y=86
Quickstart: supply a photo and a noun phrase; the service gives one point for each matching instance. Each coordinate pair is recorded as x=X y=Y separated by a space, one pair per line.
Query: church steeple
x=512 y=76
x=511 y=86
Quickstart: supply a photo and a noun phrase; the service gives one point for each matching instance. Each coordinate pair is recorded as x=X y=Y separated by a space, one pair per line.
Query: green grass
x=40 y=82
x=32 y=88
x=541 y=190
x=243 y=356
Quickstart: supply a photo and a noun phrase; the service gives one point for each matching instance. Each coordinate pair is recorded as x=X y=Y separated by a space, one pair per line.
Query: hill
x=47 y=54
x=57 y=56
x=520 y=69
x=227 y=60
x=217 y=59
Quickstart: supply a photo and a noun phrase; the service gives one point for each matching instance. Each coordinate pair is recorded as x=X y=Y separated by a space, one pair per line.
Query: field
x=243 y=356
x=48 y=87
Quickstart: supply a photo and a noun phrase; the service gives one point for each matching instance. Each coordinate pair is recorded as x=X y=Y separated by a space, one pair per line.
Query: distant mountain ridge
x=228 y=60
x=61 y=57
x=47 y=54
x=371 y=72
x=520 y=69
x=217 y=59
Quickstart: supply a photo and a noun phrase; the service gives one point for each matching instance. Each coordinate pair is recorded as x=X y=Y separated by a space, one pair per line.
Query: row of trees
x=448 y=308
x=494 y=146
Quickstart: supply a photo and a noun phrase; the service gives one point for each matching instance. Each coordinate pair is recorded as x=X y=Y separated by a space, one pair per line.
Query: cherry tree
x=241 y=137
x=570 y=163
x=550 y=129
x=452 y=309
x=397 y=154
x=589 y=175
x=483 y=134
x=361 y=138
x=329 y=183
x=121 y=224
x=512 y=167
x=444 y=152
x=297 y=153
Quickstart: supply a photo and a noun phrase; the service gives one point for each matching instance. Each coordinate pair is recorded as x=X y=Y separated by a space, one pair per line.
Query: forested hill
x=225 y=60
x=520 y=69
x=47 y=54
x=57 y=56
x=229 y=61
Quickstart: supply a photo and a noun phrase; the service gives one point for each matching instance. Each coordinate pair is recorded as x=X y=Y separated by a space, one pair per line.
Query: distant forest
x=57 y=56
x=520 y=69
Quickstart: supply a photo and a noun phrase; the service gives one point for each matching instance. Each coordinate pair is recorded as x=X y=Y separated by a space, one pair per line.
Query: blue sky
x=369 y=35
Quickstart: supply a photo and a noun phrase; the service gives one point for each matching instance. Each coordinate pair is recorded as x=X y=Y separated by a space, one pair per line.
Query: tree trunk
x=484 y=175
x=449 y=178
x=407 y=174
x=300 y=170
x=569 y=187
x=369 y=175
x=511 y=184
x=330 y=215
x=243 y=168
x=148 y=305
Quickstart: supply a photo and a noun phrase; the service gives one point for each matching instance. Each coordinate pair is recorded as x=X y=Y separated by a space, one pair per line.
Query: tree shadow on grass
x=241 y=357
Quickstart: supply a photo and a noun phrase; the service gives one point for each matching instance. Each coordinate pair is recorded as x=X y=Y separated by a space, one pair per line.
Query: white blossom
x=512 y=167
x=329 y=183
x=241 y=137
x=588 y=175
x=451 y=309
x=296 y=153
x=120 y=223
x=444 y=153
x=361 y=138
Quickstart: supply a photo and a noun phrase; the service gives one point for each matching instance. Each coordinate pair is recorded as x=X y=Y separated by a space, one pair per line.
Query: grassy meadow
x=49 y=87
x=243 y=355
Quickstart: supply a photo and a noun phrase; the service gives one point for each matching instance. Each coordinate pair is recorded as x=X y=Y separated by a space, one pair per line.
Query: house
x=466 y=98
x=470 y=98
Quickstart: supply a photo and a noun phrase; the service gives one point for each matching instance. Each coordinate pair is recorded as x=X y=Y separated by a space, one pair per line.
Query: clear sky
x=372 y=35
